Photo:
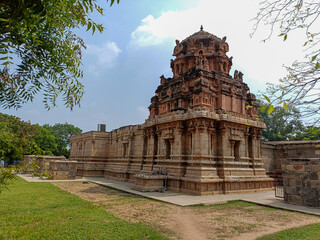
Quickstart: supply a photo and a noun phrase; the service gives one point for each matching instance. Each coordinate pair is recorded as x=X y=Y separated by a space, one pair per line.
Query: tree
x=40 y=53
x=281 y=124
x=301 y=86
x=46 y=140
x=62 y=133
x=17 y=138
x=309 y=133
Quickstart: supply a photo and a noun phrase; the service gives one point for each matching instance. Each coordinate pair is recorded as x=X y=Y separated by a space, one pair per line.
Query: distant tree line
x=286 y=124
x=19 y=138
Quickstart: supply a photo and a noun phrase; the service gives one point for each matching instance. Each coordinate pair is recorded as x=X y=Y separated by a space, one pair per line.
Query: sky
x=122 y=66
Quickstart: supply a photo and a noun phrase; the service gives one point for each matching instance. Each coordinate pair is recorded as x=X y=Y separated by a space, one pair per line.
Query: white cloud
x=262 y=62
x=102 y=57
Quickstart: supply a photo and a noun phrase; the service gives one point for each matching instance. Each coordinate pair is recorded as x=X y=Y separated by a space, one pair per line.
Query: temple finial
x=201 y=27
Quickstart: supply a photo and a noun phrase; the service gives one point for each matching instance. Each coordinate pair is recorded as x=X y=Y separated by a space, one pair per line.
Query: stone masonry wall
x=268 y=158
x=301 y=182
x=275 y=153
x=58 y=166
x=63 y=170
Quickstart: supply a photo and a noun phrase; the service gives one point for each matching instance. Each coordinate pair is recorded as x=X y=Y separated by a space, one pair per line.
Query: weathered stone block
x=290 y=190
x=307 y=192
x=298 y=168
x=298 y=183
x=310 y=201
x=295 y=199
x=292 y=182
x=314 y=176
x=285 y=181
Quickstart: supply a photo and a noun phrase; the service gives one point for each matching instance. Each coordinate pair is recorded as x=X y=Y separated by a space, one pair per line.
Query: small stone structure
x=63 y=170
x=58 y=167
x=275 y=153
x=297 y=168
x=203 y=128
x=301 y=184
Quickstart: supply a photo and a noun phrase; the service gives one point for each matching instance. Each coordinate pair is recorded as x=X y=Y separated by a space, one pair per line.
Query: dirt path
x=236 y=220
x=187 y=224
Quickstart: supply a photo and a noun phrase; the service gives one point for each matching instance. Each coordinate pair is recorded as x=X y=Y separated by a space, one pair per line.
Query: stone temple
x=202 y=135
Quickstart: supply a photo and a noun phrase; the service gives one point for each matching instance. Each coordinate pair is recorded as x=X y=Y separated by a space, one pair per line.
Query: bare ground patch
x=236 y=220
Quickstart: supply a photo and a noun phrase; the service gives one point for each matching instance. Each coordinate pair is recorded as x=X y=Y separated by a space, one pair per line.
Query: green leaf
x=314 y=58
x=93 y=29
x=285 y=106
x=263 y=108
x=268 y=99
x=317 y=65
x=89 y=26
x=7 y=63
x=285 y=37
x=270 y=109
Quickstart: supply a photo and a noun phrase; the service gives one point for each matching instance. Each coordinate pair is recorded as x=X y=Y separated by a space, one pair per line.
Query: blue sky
x=122 y=65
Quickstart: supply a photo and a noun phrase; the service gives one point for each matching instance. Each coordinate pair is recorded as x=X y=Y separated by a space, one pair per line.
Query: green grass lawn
x=310 y=232
x=43 y=211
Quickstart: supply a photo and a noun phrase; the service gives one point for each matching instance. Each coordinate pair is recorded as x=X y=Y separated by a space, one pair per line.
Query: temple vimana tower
x=202 y=135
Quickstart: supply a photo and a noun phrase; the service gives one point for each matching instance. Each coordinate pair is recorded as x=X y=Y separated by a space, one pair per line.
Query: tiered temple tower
x=203 y=131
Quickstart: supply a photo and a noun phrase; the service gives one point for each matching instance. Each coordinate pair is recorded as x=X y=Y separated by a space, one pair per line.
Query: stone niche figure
x=192 y=44
x=220 y=66
x=206 y=64
x=224 y=46
x=230 y=64
x=162 y=79
x=235 y=74
x=200 y=62
x=177 y=48
x=172 y=65
x=240 y=75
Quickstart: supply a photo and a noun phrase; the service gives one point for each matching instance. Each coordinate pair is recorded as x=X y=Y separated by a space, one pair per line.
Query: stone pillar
x=144 y=150
x=222 y=141
x=254 y=150
x=233 y=103
x=160 y=143
x=232 y=148
x=211 y=143
x=195 y=142
x=149 y=157
x=178 y=144
x=203 y=140
x=258 y=137
x=150 y=144
x=200 y=141
x=130 y=150
x=83 y=147
x=93 y=141
x=246 y=137
x=117 y=147
x=254 y=144
x=192 y=131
